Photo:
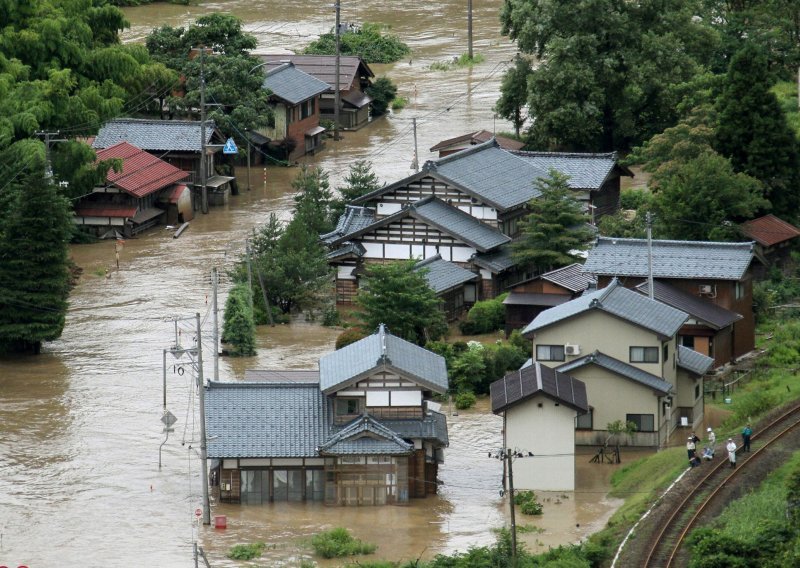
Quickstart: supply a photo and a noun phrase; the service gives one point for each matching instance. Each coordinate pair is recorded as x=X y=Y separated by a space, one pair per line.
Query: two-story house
x=713 y=272
x=624 y=347
x=361 y=430
x=295 y=96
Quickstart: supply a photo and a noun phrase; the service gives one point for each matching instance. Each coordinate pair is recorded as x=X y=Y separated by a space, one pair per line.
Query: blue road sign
x=230 y=147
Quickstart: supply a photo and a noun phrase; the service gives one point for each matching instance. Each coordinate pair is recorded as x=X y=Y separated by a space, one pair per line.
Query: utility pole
x=469 y=29
x=649 y=221
x=247 y=136
x=415 y=161
x=203 y=174
x=215 y=283
x=337 y=99
x=249 y=271
x=48 y=167
x=203 y=445
x=510 y=459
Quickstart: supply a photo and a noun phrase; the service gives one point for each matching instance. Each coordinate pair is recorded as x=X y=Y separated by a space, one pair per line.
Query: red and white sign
x=198 y=512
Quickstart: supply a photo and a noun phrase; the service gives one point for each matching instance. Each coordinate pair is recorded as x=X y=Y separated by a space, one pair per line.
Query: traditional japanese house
x=720 y=273
x=774 y=240
x=359 y=431
x=456 y=286
x=131 y=200
x=453 y=145
x=533 y=401
x=295 y=96
x=355 y=77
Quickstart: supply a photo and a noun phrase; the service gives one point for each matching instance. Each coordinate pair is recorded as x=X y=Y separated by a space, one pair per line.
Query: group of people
x=710 y=448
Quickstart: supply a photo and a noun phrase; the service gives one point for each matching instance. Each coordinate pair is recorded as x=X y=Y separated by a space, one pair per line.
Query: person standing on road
x=690 y=448
x=731 y=447
x=746 y=433
x=712 y=442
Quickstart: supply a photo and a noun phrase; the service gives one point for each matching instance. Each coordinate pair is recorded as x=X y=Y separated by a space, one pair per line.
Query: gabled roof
x=671 y=259
x=477 y=138
x=141 y=173
x=443 y=217
x=615 y=299
x=365 y=436
x=294 y=86
x=585 y=171
x=432 y=427
x=286 y=376
x=769 y=230
x=353 y=219
x=620 y=368
x=535 y=299
x=382 y=350
x=571 y=277
x=693 y=361
x=707 y=312
x=496 y=260
x=442 y=275
x=265 y=419
x=323 y=67
x=347 y=249
x=154 y=135
x=518 y=386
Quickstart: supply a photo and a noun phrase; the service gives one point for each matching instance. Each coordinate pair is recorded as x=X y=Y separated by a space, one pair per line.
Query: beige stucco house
x=539 y=406
x=623 y=345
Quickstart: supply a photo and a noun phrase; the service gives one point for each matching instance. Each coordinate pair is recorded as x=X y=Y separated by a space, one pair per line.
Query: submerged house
x=453 y=145
x=361 y=430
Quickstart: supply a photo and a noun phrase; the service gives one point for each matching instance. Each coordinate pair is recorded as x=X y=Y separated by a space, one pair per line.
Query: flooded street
x=79 y=424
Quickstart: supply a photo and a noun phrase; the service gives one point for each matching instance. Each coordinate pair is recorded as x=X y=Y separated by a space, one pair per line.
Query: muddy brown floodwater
x=79 y=424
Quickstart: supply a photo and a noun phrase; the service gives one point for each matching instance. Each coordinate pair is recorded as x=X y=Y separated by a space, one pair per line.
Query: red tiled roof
x=142 y=173
x=769 y=230
x=88 y=209
x=176 y=192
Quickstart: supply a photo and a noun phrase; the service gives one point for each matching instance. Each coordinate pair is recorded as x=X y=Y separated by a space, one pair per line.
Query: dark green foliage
x=554 y=231
x=485 y=316
x=528 y=503
x=753 y=131
x=525 y=346
x=383 y=91
x=35 y=227
x=338 y=542
x=331 y=316
x=246 y=551
x=397 y=295
x=474 y=366
x=514 y=93
x=360 y=180
x=634 y=198
x=239 y=328
x=370 y=42
x=350 y=336
x=464 y=400
x=312 y=201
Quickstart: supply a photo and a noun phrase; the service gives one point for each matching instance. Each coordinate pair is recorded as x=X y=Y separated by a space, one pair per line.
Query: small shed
x=773 y=237
x=539 y=406
x=453 y=145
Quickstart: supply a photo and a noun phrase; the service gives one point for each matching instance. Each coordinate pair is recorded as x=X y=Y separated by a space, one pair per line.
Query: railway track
x=667 y=540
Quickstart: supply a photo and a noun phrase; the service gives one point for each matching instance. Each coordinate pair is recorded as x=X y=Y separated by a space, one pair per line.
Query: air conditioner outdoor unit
x=572 y=349
x=705 y=289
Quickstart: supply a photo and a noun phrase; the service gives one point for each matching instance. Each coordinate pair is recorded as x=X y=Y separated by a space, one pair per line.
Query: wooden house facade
x=360 y=431
x=774 y=238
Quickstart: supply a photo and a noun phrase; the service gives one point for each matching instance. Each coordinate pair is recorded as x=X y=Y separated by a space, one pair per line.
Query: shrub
x=330 y=316
x=465 y=400
x=527 y=503
x=383 y=91
x=349 y=336
x=399 y=103
x=517 y=340
x=338 y=542
x=246 y=551
x=485 y=316
x=371 y=42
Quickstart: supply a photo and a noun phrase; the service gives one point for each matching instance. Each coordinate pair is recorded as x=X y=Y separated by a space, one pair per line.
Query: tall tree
x=754 y=134
x=313 y=199
x=360 y=180
x=400 y=297
x=514 y=93
x=238 y=326
x=34 y=265
x=555 y=228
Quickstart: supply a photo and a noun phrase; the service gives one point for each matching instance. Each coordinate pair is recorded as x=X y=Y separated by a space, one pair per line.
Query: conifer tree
x=35 y=228
x=239 y=328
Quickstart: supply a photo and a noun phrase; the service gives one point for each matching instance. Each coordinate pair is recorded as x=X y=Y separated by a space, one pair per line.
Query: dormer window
x=348 y=406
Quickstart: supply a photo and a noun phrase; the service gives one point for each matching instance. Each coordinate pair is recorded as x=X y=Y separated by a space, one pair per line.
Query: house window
x=585 y=421
x=644 y=422
x=739 y=290
x=549 y=352
x=666 y=352
x=644 y=354
x=696 y=391
x=346 y=406
x=307 y=108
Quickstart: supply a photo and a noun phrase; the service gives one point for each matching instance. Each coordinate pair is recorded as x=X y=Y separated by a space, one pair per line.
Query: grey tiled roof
x=671 y=259
x=494 y=175
x=617 y=300
x=365 y=436
x=347 y=248
x=535 y=299
x=693 y=361
x=571 y=277
x=154 y=135
x=293 y=85
x=620 y=368
x=382 y=349
x=443 y=275
x=520 y=385
x=585 y=171
x=265 y=419
x=700 y=309
x=432 y=427
x=496 y=261
x=444 y=217
x=285 y=376
x=353 y=219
